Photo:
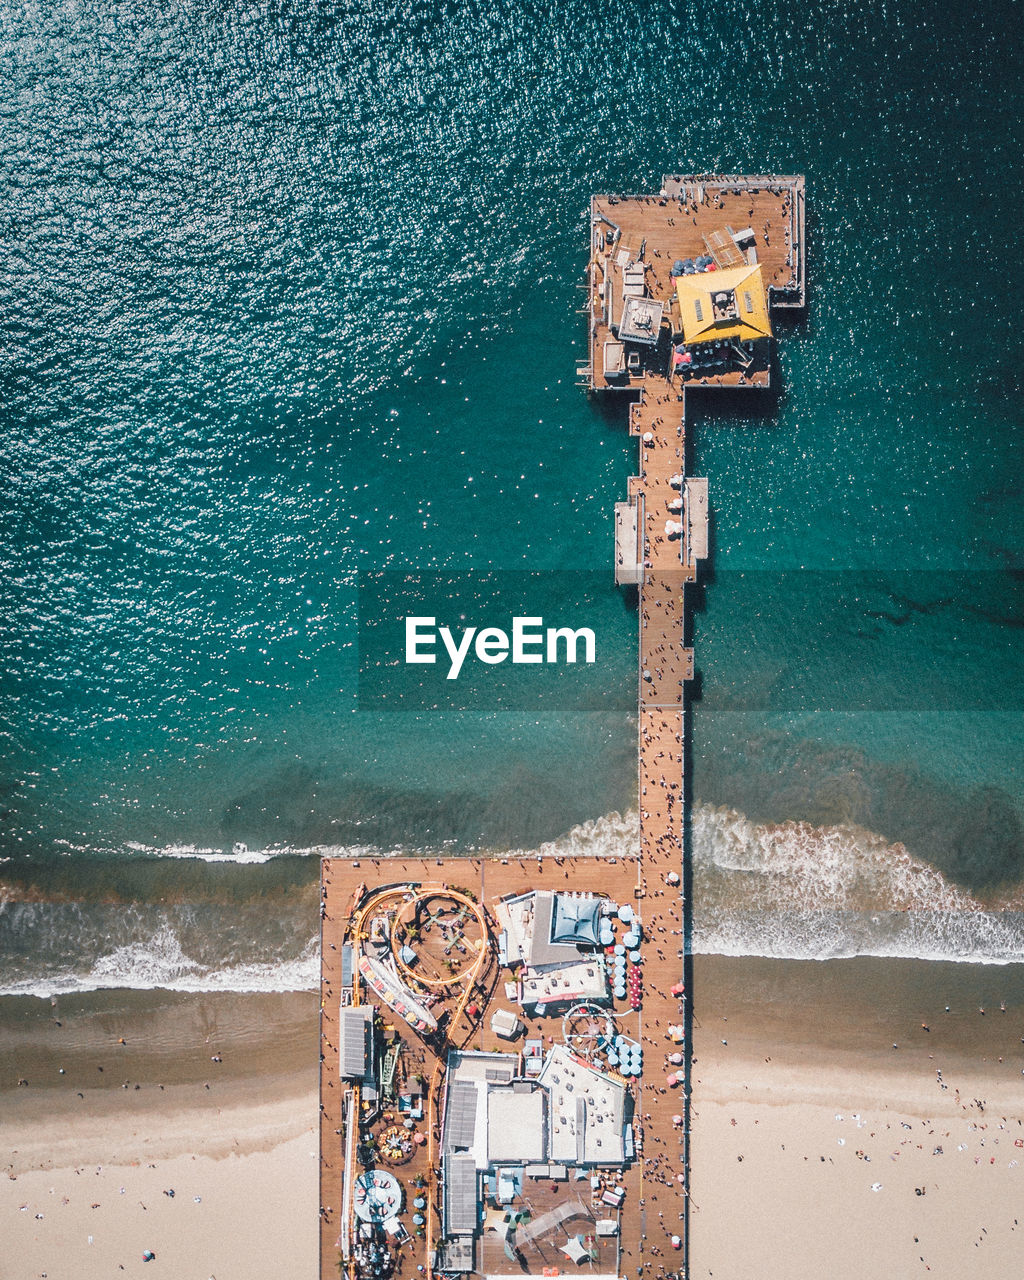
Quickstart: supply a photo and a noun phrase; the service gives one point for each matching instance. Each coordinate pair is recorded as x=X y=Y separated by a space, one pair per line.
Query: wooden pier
x=739 y=225
x=652 y=1207
x=673 y=303
x=719 y=228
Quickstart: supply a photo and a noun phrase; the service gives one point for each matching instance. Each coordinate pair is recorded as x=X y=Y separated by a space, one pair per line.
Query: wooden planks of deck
x=679 y=222
x=654 y=1199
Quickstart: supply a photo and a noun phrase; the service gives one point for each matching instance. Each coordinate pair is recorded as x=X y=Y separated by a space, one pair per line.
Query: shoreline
x=247 y=1145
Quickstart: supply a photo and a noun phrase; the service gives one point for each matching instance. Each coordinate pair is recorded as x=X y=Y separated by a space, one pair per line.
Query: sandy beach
x=818 y=1149
x=92 y=1156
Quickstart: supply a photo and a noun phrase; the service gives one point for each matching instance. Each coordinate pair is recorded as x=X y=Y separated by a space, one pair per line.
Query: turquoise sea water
x=289 y=295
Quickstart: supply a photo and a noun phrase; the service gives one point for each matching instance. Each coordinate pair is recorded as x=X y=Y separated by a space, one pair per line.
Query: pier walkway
x=682 y=287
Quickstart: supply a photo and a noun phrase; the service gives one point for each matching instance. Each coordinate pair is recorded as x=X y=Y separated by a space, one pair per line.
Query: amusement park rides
x=589 y=1031
x=438 y=936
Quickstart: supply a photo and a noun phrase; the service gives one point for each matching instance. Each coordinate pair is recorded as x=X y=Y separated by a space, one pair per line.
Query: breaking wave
x=783 y=890
x=796 y=891
x=53 y=949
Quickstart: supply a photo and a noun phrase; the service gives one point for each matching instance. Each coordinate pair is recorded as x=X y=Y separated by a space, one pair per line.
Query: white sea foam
x=797 y=891
x=242 y=855
x=614 y=835
x=787 y=890
x=160 y=963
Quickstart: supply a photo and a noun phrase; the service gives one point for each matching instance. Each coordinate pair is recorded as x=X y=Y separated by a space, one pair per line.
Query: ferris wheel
x=588 y=1029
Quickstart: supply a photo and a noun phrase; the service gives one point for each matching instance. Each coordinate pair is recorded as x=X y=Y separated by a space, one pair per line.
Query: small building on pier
x=720 y=314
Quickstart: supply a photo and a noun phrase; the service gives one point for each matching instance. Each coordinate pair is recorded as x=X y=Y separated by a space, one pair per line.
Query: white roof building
x=464 y=1126
x=555 y=937
x=583 y=980
x=517 y=1124
x=586 y=1111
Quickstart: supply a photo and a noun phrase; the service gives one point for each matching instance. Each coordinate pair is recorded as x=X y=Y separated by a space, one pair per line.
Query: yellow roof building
x=716 y=305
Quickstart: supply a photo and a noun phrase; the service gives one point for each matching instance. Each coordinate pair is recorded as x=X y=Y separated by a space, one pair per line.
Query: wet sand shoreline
x=247 y=1145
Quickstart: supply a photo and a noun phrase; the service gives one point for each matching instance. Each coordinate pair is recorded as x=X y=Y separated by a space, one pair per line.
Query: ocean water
x=289 y=296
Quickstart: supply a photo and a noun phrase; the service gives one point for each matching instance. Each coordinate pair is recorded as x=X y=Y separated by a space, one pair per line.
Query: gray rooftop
x=354 y=1041
x=641 y=320
x=516 y=1124
x=460 y=1115
x=461 y=1208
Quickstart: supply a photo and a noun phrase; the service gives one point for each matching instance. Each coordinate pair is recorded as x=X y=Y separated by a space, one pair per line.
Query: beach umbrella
x=648 y=437
x=676 y=1059
x=677 y=988
x=635 y=956
x=672 y=877
x=407 y=1123
x=419 y=1139
x=625 y=913
x=419 y=1219
x=629 y=941
x=148 y=1255
x=676 y=1242
x=677 y=1120
x=420 y=1202
x=672 y=1080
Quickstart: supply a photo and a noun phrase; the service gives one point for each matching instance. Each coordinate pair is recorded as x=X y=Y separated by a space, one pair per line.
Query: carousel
x=377 y=1196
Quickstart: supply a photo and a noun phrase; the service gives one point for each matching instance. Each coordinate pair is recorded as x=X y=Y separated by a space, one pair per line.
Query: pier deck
x=635 y=243
x=689 y=218
x=652 y=1207
x=661 y=534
